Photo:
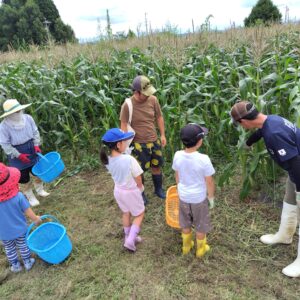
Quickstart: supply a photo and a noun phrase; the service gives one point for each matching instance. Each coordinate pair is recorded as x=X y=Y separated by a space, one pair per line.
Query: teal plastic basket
x=49 y=166
x=49 y=241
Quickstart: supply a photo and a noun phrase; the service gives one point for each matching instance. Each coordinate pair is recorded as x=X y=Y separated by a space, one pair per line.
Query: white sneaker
x=28 y=263
x=16 y=267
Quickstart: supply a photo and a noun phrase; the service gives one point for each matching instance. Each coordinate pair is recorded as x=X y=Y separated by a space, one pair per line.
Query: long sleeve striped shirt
x=10 y=137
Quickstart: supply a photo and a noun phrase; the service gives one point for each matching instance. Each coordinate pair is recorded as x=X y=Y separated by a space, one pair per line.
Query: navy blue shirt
x=281 y=137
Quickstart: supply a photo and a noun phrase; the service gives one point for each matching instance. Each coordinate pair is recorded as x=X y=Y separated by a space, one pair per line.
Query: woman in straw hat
x=13 y=226
x=20 y=140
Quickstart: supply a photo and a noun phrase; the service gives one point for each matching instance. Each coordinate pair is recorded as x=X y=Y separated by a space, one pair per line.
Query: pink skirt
x=130 y=200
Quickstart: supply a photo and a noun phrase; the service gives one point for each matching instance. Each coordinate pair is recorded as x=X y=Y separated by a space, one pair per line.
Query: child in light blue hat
x=126 y=173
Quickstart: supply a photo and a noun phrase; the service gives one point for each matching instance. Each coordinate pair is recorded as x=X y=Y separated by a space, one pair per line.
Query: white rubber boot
x=293 y=270
x=286 y=229
x=30 y=195
x=39 y=187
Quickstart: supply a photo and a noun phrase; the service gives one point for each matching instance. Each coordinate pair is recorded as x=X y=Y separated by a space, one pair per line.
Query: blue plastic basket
x=49 y=241
x=49 y=166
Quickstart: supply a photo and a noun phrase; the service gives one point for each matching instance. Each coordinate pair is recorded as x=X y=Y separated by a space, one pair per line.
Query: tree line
x=264 y=12
x=26 y=22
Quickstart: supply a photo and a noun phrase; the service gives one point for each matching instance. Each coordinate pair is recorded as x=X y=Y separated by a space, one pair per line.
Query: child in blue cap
x=126 y=173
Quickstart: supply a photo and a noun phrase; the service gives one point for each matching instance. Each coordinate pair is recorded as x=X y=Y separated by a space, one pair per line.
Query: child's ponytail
x=103 y=156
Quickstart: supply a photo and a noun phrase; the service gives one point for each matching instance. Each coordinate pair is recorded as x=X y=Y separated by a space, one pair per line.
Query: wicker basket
x=172 y=207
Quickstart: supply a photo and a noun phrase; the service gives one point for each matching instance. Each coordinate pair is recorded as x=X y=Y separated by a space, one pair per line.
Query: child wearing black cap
x=126 y=173
x=196 y=188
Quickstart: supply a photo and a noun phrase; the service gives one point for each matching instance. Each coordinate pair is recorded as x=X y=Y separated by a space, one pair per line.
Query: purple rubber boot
x=138 y=238
x=130 y=240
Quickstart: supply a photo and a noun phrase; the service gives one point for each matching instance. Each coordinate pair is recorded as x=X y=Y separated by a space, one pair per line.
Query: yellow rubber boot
x=187 y=242
x=202 y=247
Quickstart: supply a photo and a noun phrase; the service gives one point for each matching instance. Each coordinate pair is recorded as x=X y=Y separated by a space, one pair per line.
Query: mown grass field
x=238 y=266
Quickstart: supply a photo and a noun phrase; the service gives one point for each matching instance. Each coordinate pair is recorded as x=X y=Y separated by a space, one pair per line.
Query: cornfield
x=76 y=100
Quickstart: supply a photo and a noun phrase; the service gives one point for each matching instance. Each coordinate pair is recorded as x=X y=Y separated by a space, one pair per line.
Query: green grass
x=238 y=266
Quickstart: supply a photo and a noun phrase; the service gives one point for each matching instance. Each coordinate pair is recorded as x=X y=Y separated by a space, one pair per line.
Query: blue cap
x=115 y=135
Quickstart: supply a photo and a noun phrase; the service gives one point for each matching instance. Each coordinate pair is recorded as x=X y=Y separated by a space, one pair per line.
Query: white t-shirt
x=123 y=169
x=192 y=169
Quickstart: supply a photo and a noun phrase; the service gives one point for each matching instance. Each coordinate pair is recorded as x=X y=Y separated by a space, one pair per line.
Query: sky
x=88 y=17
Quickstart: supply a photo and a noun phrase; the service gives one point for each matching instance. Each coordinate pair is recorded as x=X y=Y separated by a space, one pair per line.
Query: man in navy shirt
x=282 y=140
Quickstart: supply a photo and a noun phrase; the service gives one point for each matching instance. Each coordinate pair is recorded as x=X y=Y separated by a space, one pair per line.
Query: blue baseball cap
x=115 y=135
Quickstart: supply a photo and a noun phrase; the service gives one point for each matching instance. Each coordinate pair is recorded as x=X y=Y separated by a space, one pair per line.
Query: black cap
x=191 y=133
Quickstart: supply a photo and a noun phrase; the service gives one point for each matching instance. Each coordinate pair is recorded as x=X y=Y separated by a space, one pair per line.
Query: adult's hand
x=37 y=149
x=23 y=157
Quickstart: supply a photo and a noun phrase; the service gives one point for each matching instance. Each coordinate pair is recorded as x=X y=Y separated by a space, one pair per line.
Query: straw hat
x=9 y=182
x=11 y=106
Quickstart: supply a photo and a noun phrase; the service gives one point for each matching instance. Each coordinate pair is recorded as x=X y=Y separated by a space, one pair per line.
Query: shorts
x=130 y=200
x=148 y=154
x=194 y=214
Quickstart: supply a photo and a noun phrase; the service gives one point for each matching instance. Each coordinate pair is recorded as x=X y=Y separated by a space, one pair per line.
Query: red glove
x=24 y=158
x=37 y=149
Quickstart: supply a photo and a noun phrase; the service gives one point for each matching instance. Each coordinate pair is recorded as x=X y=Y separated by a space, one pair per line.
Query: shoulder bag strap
x=130 y=108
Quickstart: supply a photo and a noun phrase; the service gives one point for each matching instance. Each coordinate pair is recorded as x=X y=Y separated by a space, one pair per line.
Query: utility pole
x=47 y=23
x=108 y=27
x=286 y=17
x=193 y=27
x=286 y=14
x=146 y=23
